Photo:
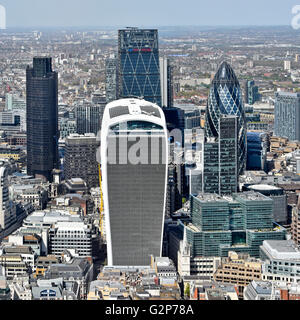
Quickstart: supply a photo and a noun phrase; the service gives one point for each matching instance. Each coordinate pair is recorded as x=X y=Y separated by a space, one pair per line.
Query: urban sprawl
x=150 y=164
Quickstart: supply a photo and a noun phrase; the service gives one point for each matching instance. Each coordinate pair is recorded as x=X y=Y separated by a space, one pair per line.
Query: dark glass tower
x=139 y=72
x=220 y=158
x=225 y=98
x=42 y=118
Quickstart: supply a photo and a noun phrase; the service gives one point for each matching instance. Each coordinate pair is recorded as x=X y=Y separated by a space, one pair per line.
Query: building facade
x=89 y=117
x=287 y=115
x=111 y=84
x=138 y=64
x=220 y=158
x=134 y=168
x=225 y=98
x=166 y=82
x=256 y=150
x=238 y=223
x=42 y=118
x=81 y=159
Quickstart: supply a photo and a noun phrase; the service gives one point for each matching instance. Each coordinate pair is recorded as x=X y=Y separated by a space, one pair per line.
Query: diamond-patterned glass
x=226 y=98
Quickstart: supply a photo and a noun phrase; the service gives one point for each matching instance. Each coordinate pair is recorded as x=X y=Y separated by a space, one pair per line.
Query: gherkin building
x=225 y=98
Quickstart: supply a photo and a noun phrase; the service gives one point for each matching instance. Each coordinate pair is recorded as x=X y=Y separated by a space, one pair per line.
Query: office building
x=225 y=98
x=80 y=158
x=281 y=260
x=111 y=83
x=239 y=270
x=279 y=197
x=251 y=92
x=287 y=115
x=220 y=158
x=42 y=118
x=67 y=127
x=295 y=226
x=89 y=117
x=239 y=223
x=6 y=217
x=134 y=168
x=67 y=236
x=175 y=124
x=257 y=146
x=138 y=60
x=166 y=82
x=14 y=102
x=258 y=290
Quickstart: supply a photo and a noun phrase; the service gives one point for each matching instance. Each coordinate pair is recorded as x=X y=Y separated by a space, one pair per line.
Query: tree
x=187 y=290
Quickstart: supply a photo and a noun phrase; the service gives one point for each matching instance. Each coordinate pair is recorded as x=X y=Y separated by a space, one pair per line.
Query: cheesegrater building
x=134 y=164
x=138 y=64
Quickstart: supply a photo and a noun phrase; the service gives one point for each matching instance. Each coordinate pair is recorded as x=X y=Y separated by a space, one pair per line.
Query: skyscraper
x=134 y=166
x=111 y=75
x=220 y=158
x=166 y=82
x=287 y=115
x=225 y=98
x=251 y=92
x=5 y=210
x=256 y=150
x=42 y=118
x=138 y=64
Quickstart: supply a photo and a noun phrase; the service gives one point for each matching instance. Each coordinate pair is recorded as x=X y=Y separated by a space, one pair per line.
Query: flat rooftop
x=282 y=249
x=252 y=196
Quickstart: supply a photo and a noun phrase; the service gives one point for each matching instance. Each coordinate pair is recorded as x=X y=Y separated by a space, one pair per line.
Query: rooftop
x=281 y=249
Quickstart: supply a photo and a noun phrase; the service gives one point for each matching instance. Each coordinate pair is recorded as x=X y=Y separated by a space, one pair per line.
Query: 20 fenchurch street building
x=134 y=164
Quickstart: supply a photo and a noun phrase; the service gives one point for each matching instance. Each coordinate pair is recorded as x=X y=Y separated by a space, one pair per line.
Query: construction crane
x=101 y=203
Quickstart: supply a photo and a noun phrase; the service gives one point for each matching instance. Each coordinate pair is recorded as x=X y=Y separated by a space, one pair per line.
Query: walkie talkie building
x=134 y=164
x=225 y=98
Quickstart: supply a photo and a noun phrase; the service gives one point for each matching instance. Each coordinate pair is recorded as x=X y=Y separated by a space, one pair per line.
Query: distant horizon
x=148 y=26
x=100 y=13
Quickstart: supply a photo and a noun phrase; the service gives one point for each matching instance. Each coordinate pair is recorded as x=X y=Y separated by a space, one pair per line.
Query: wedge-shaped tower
x=134 y=165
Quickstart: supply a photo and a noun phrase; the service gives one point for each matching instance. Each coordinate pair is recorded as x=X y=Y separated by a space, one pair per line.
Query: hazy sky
x=45 y=13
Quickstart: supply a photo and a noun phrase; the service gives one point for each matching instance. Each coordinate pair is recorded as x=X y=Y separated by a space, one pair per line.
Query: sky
x=84 y=13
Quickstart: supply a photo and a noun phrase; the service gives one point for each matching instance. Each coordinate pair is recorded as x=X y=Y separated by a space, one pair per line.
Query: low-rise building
x=258 y=290
x=66 y=235
x=79 y=270
x=239 y=270
x=281 y=261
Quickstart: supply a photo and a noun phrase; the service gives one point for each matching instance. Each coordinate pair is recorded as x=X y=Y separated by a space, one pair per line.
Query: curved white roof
x=132 y=109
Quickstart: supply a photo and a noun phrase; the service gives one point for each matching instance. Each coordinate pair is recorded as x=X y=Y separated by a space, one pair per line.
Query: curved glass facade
x=225 y=98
